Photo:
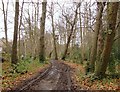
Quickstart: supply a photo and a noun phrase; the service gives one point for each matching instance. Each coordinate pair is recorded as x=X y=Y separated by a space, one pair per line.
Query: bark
x=100 y=44
x=100 y=7
x=117 y=40
x=74 y=36
x=81 y=37
x=30 y=34
x=55 y=48
x=118 y=32
x=111 y=22
x=35 y=34
x=42 y=30
x=14 y=57
x=85 y=29
x=5 y=24
x=71 y=31
x=53 y=30
x=20 y=27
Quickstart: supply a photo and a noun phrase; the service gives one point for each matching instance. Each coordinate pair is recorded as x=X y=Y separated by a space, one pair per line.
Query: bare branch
x=117 y=37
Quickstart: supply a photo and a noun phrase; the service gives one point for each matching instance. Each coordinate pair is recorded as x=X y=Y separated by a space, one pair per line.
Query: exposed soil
x=56 y=77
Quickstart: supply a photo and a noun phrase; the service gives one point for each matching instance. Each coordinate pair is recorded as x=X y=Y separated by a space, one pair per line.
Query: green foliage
x=114 y=59
x=21 y=67
x=111 y=65
x=117 y=64
x=87 y=67
x=25 y=65
x=6 y=56
x=116 y=50
x=41 y=58
x=75 y=54
x=11 y=72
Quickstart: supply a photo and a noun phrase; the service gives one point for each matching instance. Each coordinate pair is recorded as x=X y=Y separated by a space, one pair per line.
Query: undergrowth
x=10 y=73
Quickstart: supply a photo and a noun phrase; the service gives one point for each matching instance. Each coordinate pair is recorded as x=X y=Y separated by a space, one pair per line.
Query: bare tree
x=20 y=27
x=71 y=31
x=14 y=57
x=81 y=36
x=42 y=30
x=53 y=29
x=5 y=13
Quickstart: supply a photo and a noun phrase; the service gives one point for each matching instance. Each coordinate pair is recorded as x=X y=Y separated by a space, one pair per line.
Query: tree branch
x=117 y=37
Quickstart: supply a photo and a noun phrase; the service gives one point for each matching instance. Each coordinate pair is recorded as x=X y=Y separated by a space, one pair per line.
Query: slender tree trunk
x=84 y=32
x=42 y=30
x=112 y=8
x=30 y=33
x=5 y=24
x=53 y=30
x=118 y=31
x=35 y=34
x=14 y=58
x=100 y=8
x=100 y=45
x=54 y=39
x=71 y=31
x=81 y=36
x=20 y=27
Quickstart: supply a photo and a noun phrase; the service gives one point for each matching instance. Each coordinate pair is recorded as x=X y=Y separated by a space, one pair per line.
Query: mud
x=55 y=77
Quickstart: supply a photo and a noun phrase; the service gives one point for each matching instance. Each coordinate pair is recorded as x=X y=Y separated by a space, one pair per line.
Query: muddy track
x=56 y=77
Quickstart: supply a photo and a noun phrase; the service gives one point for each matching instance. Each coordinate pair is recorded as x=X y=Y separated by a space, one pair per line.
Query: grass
x=12 y=76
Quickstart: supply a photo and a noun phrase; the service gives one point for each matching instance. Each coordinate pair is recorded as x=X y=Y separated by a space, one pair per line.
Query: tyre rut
x=56 y=77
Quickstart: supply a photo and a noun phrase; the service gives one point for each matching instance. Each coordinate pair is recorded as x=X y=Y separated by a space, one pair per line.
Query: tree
x=5 y=13
x=100 y=7
x=42 y=30
x=81 y=36
x=14 y=57
x=30 y=33
x=20 y=27
x=71 y=31
x=118 y=32
x=112 y=8
x=53 y=30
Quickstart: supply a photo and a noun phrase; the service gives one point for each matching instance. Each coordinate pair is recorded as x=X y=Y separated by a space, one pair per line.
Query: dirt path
x=56 y=77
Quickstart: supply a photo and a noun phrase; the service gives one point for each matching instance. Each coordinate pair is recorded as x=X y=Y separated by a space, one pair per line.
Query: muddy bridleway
x=56 y=77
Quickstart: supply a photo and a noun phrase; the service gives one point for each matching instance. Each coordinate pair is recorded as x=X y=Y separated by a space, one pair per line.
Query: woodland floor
x=85 y=82
x=59 y=75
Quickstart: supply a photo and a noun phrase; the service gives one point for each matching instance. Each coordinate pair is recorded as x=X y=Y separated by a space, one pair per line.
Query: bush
x=75 y=54
x=21 y=67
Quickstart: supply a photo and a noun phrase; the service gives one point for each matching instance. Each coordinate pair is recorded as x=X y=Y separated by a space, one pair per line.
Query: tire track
x=56 y=77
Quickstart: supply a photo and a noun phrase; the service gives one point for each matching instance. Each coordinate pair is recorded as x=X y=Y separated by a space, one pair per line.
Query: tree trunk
x=112 y=8
x=42 y=30
x=118 y=32
x=5 y=25
x=14 y=58
x=100 y=7
x=35 y=33
x=54 y=38
x=19 y=28
x=30 y=33
x=100 y=44
x=81 y=37
x=71 y=31
x=53 y=30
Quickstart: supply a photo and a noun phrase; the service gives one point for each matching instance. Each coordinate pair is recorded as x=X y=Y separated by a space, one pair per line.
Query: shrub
x=21 y=67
